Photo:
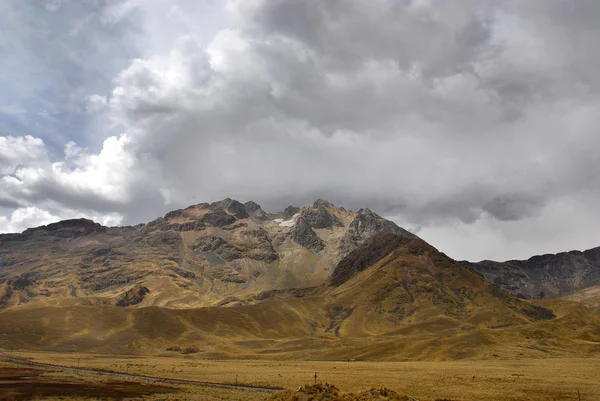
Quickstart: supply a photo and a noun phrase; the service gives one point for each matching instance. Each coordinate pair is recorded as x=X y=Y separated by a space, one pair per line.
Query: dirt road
x=152 y=379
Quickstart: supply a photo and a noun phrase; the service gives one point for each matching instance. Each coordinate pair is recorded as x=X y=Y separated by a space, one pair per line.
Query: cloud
x=562 y=224
x=18 y=151
x=82 y=184
x=465 y=119
x=22 y=218
x=54 y=54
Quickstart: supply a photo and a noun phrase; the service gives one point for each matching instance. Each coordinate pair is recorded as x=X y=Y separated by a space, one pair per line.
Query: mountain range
x=229 y=279
x=199 y=256
x=571 y=275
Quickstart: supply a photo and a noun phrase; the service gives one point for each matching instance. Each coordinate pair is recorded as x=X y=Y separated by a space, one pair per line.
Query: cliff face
x=545 y=276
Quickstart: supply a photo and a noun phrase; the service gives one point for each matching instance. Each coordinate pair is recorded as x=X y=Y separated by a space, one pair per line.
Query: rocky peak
x=252 y=206
x=174 y=213
x=202 y=205
x=255 y=210
x=323 y=203
x=365 y=255
x=365 y=225
x=303 y=234
x=68 y=228
x=319 y=217
x=290 y=211
x=222 y=204
x=238 y=210
x=218 y=218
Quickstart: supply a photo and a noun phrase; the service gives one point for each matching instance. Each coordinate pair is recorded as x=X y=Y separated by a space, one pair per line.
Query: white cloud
x=104 y=175
x=19 y=151
x=473 y=120
x=22 y=218
x=83 y=184
x=96 y=103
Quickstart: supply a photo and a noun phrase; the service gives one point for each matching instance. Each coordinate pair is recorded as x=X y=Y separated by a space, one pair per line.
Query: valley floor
x=524 y=379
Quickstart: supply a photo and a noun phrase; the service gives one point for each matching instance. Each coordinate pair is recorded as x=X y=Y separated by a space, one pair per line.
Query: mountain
x=572 y=274
x=231 y=280
x=393 y=297
x=198 y=256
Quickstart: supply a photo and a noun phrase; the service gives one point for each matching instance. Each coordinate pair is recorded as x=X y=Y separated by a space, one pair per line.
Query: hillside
x=589 y=296
x=391 y=298
x=198 y=256
x=547 y=276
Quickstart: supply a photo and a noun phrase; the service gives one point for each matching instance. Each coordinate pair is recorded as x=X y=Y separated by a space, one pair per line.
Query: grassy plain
x=524 y=379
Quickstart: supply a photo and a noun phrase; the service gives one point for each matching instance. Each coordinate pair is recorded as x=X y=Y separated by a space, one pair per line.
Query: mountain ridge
x=312 y=282
x=560 y=275
x=196 y=256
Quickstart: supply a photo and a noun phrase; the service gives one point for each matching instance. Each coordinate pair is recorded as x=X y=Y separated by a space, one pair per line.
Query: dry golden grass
x=370 y=317
x=525 y=379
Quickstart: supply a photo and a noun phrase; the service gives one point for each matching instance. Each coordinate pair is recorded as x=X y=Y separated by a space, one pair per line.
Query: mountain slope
x=589 y=296
x=189 y=258
x=545 y=276
x=397 y=284
x=399 y=299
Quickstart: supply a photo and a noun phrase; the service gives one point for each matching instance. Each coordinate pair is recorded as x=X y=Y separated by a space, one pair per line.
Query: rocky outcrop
x=252 y=206
x=254 y=244
x=174 y=213
x=165 y=238
x=5 y=298
x=185 y=226
x=218 y=218
x=15 y=285
x=227 y=274
x=365 y=225
x=183 y=273
x=21 y=282
x=323 y=203
x=255 y=210
x=289 y=212
x=303 y=234
x=237 y=210
x=220 y=205
x=365 y=255
x=133 y=296
x=543 y=276
x=319 y=217
x=67 y=229
x=258 y=246
x=6 y=238
x=210 y=243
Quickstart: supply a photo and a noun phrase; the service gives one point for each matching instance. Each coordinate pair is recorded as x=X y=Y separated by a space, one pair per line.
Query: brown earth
x=26 y=384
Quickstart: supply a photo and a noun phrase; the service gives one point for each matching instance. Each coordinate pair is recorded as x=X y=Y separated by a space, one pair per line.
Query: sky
x=472 y=123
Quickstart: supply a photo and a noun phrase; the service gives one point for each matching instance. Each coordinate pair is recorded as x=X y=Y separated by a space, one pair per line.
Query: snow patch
x=290 y=222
